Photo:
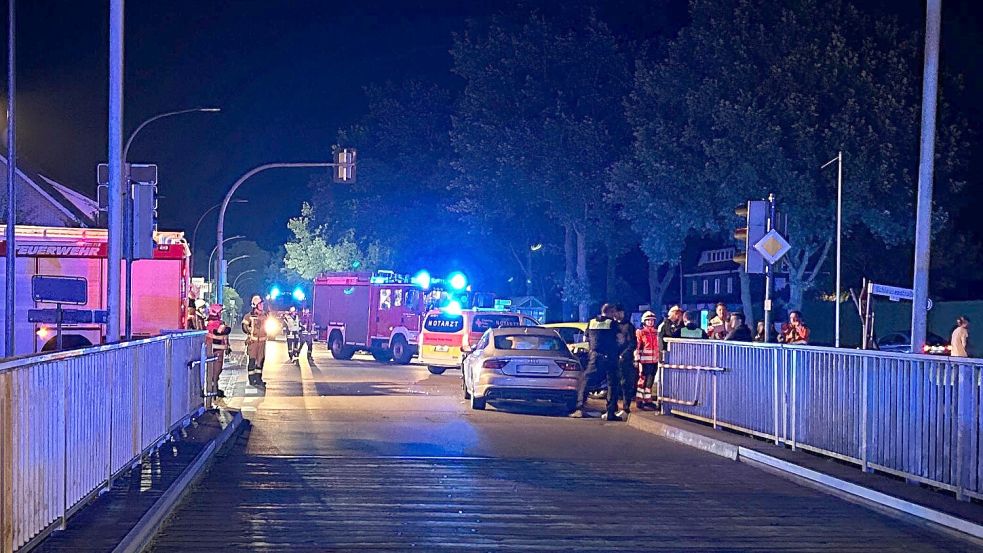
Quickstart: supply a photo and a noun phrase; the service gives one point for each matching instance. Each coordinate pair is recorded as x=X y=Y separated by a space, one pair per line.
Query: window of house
x=716 y=286
x=695 y=286
x=706 y=286
x=730 y=285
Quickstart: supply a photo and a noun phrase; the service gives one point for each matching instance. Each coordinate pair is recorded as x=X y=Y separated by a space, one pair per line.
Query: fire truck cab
x=160 y=285
x=379 y=313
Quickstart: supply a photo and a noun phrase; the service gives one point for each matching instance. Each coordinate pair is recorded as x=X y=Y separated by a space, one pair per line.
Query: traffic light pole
x=923 y=213
x=11 y=259
x=768 y=270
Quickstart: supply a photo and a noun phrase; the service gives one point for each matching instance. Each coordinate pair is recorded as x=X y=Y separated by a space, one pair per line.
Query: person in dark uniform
x=627 y=370
x=602 y=341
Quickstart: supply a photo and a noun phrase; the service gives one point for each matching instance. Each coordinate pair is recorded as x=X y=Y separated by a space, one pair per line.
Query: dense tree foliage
x=752 y=98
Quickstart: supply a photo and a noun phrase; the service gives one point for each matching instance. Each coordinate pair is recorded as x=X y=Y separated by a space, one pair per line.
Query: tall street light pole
x=194 y=234
x=225 y=204
x=926 y=166
x=235 y=281
x=215 y=249
x=115 y=162
x=129 y=209
x=11 y=260
x=839 y=238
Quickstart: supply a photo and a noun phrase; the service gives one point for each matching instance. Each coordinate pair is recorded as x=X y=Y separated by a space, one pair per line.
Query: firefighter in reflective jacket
x=307 y=332
x=253 y=326
x=602 y=339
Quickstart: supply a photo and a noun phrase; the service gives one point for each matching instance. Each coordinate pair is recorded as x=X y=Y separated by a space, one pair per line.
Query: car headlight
x=272 y=326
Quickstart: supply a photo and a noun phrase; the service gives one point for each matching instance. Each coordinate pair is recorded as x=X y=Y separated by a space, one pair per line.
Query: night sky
x=287 y=75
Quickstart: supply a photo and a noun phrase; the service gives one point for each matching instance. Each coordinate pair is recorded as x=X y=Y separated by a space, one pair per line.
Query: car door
x=476 y=355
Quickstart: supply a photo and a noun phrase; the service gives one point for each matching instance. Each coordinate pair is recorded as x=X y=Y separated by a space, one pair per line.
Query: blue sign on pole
x=60 y=289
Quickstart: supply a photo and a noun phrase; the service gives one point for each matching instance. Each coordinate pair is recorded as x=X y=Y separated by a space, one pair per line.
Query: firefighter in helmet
x=253 y=326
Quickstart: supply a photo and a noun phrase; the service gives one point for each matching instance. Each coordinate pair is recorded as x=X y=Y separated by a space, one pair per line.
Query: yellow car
x=574 y=334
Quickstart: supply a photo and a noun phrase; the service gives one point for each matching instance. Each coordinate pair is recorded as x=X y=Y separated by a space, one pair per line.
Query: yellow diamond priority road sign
x=772 y=246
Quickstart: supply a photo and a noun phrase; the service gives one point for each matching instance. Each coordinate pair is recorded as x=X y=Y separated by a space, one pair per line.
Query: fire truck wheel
x=436 y=370
x=382 y=355
x=338 y=348
x=401 y=351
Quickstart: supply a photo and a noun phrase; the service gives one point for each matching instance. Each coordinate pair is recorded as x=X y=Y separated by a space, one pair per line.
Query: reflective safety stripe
x=595 y=324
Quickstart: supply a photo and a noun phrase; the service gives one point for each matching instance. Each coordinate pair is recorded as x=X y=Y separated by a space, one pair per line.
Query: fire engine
x=160 y=285
x=380 y=313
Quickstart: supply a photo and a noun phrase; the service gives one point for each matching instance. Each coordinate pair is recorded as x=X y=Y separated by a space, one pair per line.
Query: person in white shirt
x=960 y=338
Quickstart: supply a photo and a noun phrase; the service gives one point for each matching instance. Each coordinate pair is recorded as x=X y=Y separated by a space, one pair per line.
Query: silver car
x=524 y=363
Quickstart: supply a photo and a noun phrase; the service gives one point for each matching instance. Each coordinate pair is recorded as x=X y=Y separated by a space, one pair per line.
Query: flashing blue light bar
x=275 y=292
x=299 y=294
x=453 y=308
x=457 y=281
x=422 y=279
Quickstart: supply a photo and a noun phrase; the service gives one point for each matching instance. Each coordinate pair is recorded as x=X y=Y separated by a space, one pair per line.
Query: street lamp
x=194 y=235
x=129 y=209
x=235 y=281
x=228 y=198
x=215 y=249
x=839 y=236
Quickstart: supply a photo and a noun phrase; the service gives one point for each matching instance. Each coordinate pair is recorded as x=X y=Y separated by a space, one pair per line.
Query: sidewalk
x=873 y=489
x=136 y=497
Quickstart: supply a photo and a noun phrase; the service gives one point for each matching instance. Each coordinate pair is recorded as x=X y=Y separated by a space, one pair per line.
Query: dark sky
x=287 y=75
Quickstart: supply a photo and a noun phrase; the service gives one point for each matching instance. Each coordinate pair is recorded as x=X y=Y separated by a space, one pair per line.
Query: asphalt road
x=356 y=455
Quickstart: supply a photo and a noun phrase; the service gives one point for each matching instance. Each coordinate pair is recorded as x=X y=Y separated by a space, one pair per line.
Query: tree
x=535 y=132
x=309 y=254
x=751 y=98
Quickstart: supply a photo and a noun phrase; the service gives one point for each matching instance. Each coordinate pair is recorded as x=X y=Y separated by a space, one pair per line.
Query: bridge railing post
x=966 y=417
x=6 y=464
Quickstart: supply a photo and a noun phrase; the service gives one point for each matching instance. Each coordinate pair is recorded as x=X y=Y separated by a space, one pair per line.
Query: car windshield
x=571 y=334
x=530 y=342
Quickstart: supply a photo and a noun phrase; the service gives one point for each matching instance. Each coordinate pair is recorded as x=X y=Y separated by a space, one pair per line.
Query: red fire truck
x=160 y=285
x=380 y=312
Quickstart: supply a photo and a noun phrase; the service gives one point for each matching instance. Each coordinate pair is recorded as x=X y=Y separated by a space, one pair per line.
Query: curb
x=685 y=437
x=831 y=484
x=138 y=538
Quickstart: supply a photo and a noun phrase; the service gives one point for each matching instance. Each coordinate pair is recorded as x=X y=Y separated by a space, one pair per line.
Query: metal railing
x=70 y=422
x=913 y=416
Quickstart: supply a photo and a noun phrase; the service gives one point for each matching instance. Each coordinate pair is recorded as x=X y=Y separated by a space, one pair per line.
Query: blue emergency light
x=275 y=292
x=422 y=279
x=453 y=308
x=299 y=294
x=458 y=281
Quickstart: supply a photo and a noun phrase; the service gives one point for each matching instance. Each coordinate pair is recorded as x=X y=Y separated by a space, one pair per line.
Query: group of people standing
x=630 y=357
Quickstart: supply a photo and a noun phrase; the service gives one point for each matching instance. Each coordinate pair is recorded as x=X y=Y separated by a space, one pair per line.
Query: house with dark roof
x=715 y=277
x=43 y=202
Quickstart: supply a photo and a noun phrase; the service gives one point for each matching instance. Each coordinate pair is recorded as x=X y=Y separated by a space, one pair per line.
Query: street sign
x=894 y=293
x=772 y=246
x=68 y=316
x=142 y=173
x=59 y=289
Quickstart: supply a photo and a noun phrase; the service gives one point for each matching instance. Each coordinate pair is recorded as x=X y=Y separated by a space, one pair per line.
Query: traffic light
x=344 y=170
x=755 y=219
x=144 y=203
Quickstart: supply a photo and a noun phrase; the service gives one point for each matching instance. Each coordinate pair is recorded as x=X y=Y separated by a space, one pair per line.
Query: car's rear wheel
x=477 y=403
x=436 y=370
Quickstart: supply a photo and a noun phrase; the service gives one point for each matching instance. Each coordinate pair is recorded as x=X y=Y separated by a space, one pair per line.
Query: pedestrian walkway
x=798 y=463
x=101 y=525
